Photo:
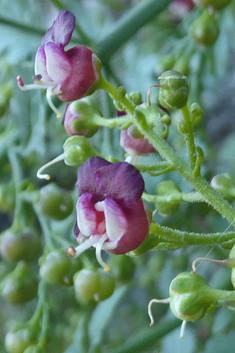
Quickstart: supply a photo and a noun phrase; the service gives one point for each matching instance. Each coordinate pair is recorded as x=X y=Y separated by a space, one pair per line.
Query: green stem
x=35 y=319
x=186 y=238
x=117 y=94
x=227 y=297
x=128 y=25
x=180 y=197
x=20 y=26
x=189 y=136
x=46 y=230
x=210 y=195
x=155 y=169
x=17 y=177
x=112 y=123
x=148 y=337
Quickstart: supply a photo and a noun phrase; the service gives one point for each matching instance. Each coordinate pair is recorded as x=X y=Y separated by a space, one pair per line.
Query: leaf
x=102 y=314
x=79 y=338
x=223 y=343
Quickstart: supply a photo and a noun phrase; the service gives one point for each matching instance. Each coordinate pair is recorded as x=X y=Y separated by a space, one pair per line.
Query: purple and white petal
x=57 y=63
x=115 y=219
x=61 y=30
x=40 y=64
x=86 y=215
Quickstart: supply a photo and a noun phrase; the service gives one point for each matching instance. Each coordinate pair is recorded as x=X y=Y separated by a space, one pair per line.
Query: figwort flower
x=70 y=74
x=110 y=213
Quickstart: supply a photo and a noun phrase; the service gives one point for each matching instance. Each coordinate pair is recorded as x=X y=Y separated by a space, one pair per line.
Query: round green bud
x=225 y=184
x=20 y=285
x=174 y=90
x=205 y=29
x=57 y=268
x=93 y=285
x=215 y=4
x=77 y=149
x=25 y=245
x=135 y=97
x=167 y=188
x=17 y=342
x=196 y=113
x=188 y=296
x=55 y=202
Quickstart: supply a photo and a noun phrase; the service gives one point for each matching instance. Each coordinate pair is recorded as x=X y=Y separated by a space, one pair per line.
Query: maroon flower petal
x=86 y=177
x=134 y=145
x=121 y=182
x=83 y=74
x=137 y=229
x=61 y=30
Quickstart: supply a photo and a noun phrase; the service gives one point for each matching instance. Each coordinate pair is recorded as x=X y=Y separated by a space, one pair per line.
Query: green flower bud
x=20 y=285
x=215 y=4
x=135 y=97
x=189 y=296
x=17 y=342
x=93 y=285
x=205 y=29
x=58 y=267
x=174 y=90
x=225 y=184
x=55 y=202
x=25 y=245
x=196 y=113
x=77 y=149
x=167 y=188
x=156 y=118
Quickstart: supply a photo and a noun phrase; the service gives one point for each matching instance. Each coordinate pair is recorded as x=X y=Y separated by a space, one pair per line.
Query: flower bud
x=25 y=245
x=167 y=188
x=189 y=296
x=173 y=93
x=17 y=342
x=93 y=285
x=205 y=29
x=20 y=285
x=196 y=113
x=215 y=4
x=225 y=184
x=55 y=202
x=58 y=267
x=78 y=116
x=77 y=150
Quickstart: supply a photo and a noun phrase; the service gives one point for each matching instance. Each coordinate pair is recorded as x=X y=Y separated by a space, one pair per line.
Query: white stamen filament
x=86 y=245
x=163 y=301
x=182 y=329
x=47 y=176
x=98 y=249
x=51 y=104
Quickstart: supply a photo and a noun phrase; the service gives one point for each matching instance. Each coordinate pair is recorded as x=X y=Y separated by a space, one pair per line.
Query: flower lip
x=120 y=181
x=61 y=30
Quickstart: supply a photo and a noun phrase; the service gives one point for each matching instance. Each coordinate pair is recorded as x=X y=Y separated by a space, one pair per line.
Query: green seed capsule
x=17 y=342
x=205 y=29
x=55 y=202
x=174 y=90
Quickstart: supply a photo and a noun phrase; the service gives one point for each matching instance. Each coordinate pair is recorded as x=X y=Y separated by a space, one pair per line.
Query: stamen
x=51 y=104
x=75 y=252
x=35 y=85
x=182 y=329
x=220 y=262
x=163 y=301
x=47 y=176
x=98 y=252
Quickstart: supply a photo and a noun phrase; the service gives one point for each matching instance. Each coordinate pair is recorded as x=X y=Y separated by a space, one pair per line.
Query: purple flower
x=110 y=212
x=70 y=74
x=135 y=145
